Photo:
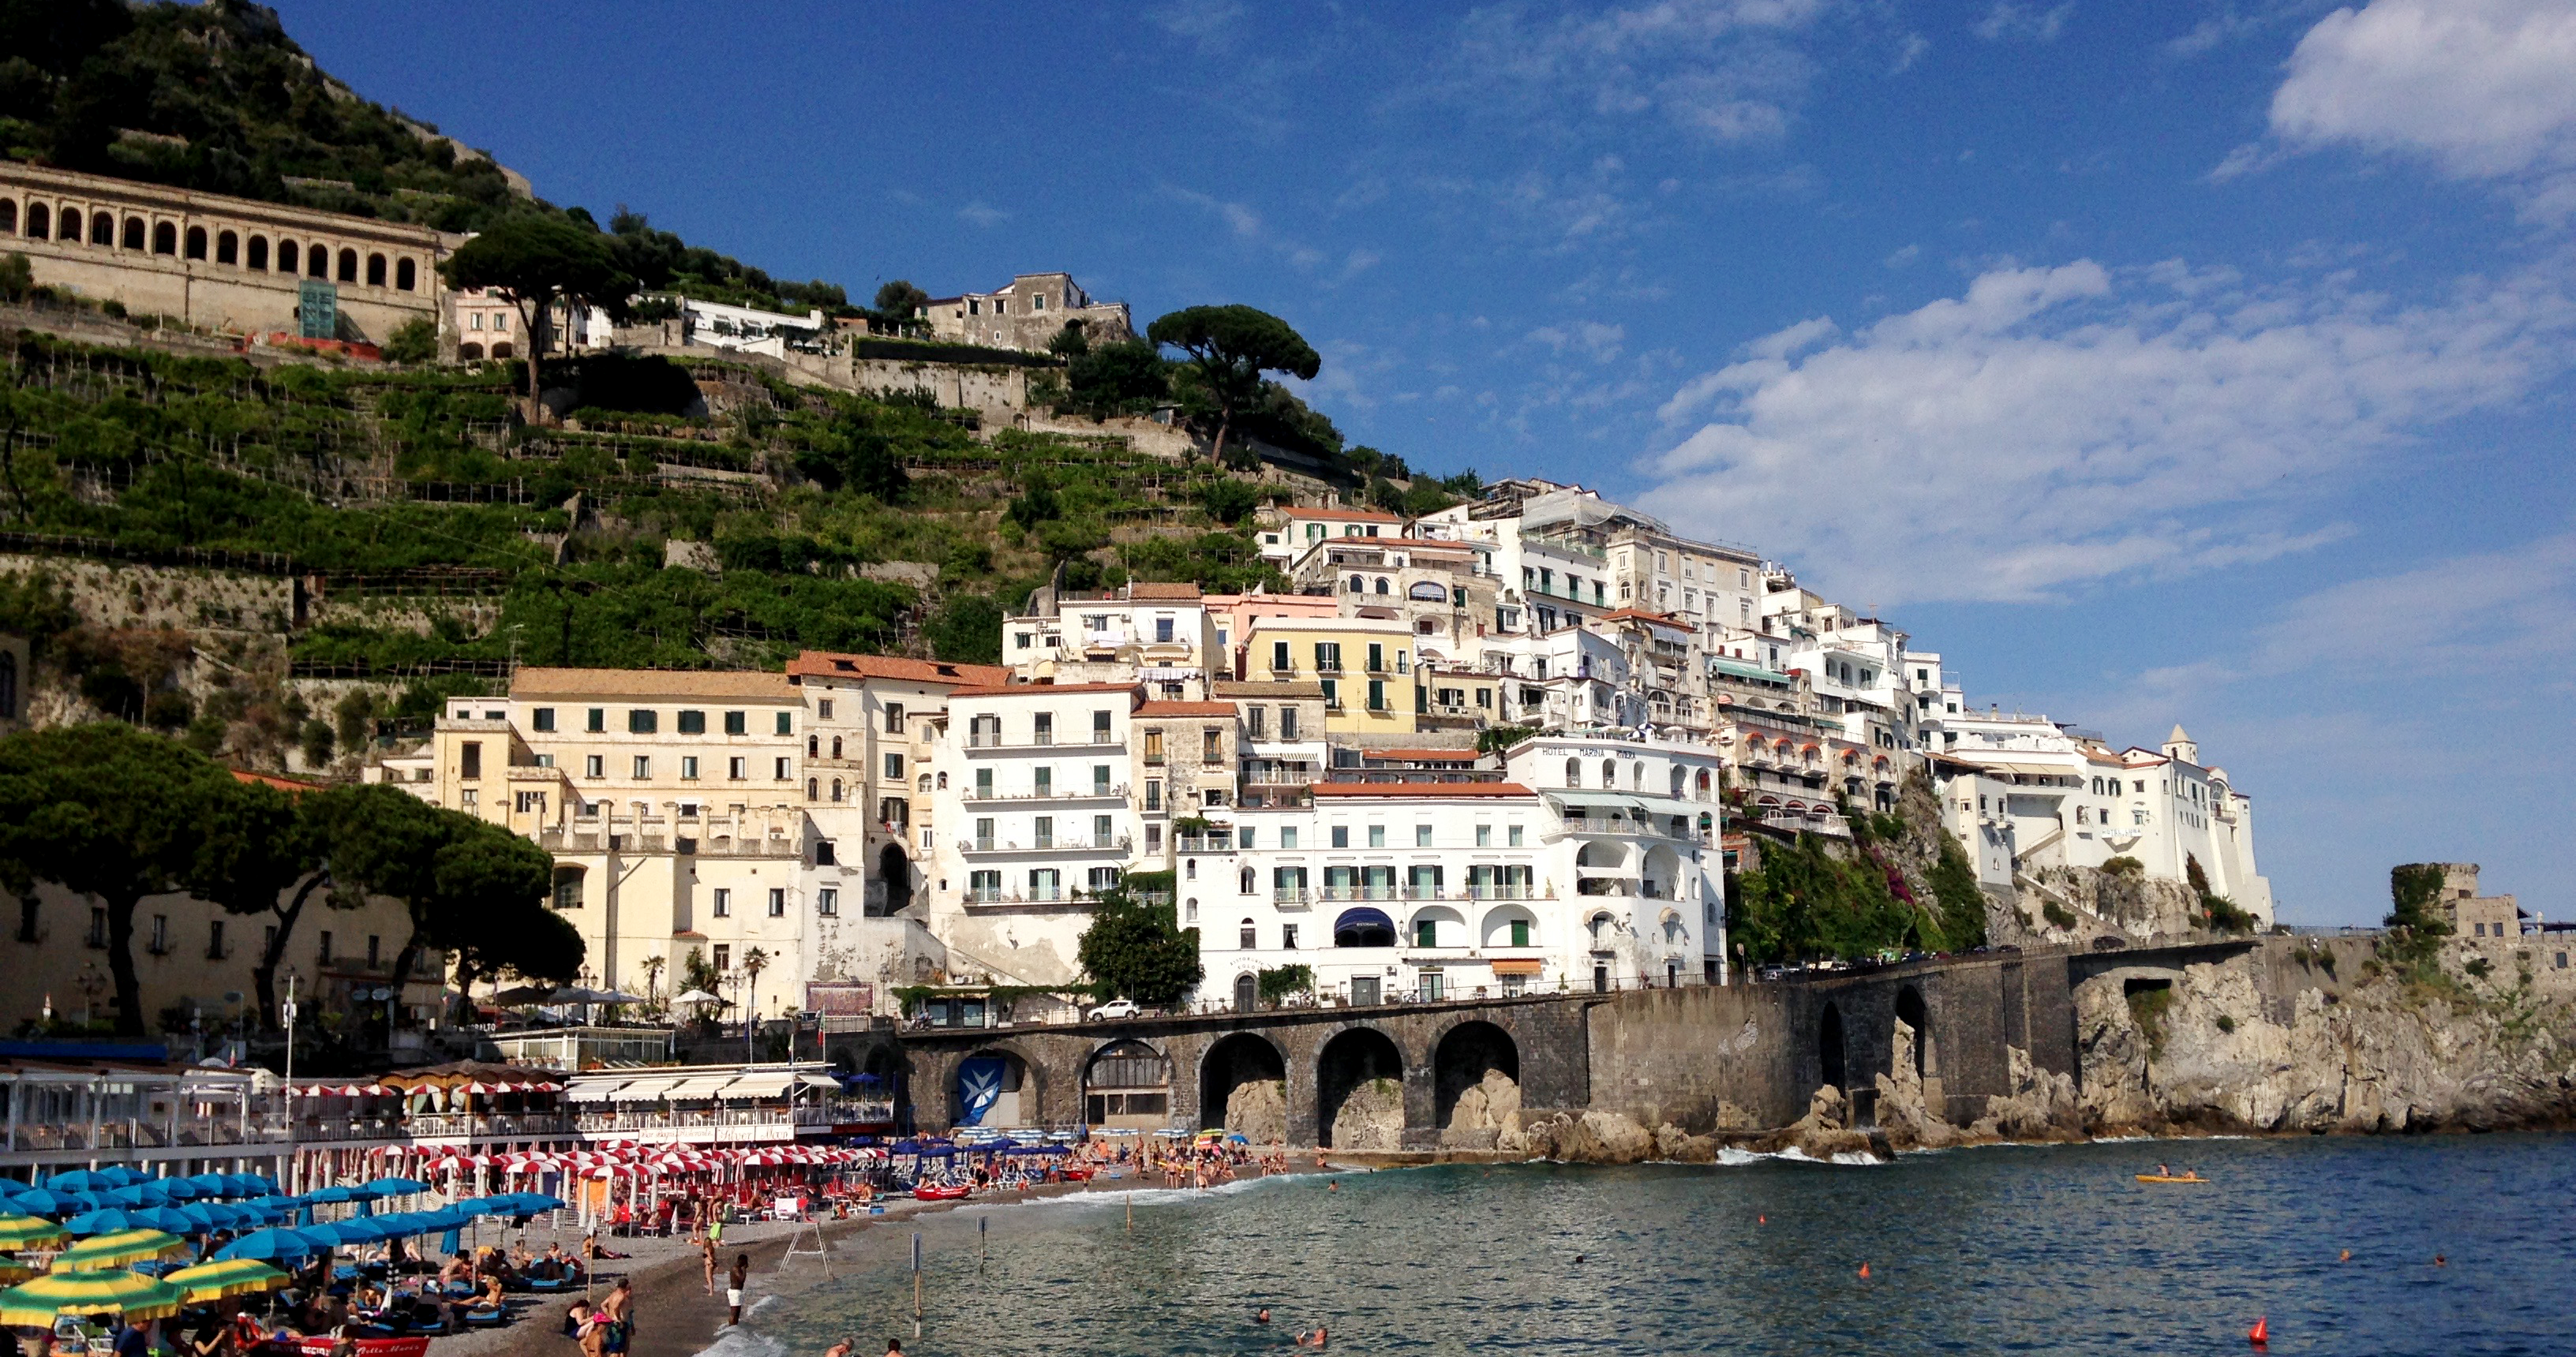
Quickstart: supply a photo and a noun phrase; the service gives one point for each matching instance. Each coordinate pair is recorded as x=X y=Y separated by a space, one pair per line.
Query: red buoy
x=1864 y=1269
x=1762 y=1220
x=2261 y=1333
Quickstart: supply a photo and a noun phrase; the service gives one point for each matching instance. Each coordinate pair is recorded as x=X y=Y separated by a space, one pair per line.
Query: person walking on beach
x=707 y=1254
x=734 y=1282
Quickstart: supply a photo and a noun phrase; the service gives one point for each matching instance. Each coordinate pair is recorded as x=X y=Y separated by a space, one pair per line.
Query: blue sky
x=2205 y=361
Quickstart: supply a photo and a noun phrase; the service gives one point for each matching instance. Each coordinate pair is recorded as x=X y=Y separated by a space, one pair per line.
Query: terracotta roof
x=831 y=664
x=652 y=683
x=1042 y=689
x=1176 y=592
x=1345 y=515
x=1428 y=789
x=1186 y=709
x=1659 y=619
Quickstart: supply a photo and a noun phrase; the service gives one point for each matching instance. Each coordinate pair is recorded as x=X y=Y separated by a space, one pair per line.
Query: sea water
x=2001 y=1249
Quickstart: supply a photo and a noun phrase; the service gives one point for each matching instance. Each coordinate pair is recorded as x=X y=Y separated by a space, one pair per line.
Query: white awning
x=698 y=1086
x=762 y=1084
x=647 y=1090
x=595 y=1089
x=818 y=1081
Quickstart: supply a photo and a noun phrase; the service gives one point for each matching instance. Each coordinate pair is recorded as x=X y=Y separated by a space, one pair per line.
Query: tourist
x=214 y=1336
x=894 y=1347
x=620 y=1306
x=734 y=1282
x=842 y=1349
x=707 y=1255
x=593 y=1334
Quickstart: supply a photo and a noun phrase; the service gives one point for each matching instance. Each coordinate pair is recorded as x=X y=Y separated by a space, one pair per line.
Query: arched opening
x=286 y=256
x=348 y=265
x=503 y=350
x=1243 y=1088
x=1128 y=1085
x=1910 y=1011
x=1574 y=772
x=39 y=222
x=406 y=275
x=1439 y=926
x=1363 y=927
x=1381 y=584
x=375 y=270
x=228 y=248
x=165 y=238
x=256 y=256
x=100 y=229
x=8 y=216
x=1509 y=926
x=993 y=1089
x=1609 y=775
x=1663 y=873
x=317 y=260
x=1247 y=992
x=469 y=353
x=196 y=242
x=1829 y=1045
x=894 y=873
x=1359 y=1092
x=1475 y=1079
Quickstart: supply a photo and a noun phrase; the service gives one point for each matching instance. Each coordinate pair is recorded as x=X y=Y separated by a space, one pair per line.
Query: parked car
x=1115 y=1008
x=2107 y=943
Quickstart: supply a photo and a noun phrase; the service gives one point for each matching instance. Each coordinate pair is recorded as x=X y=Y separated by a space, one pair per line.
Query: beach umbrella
x=355 y=1230
x=137 y=1194
x=205 y=1216
x=342 y=1193
x=230 y=1277
x=36 y=1303
x=396 y=1187
x=274 y=1243
x=83 y=1180
x=210 y=1184
x=18 y=1232
x=46 y=1201
x=116 y=1250
x=250 y=1184
x=405 y=1224
x=699 y=996
x=13 y=1272
x=120 y=1219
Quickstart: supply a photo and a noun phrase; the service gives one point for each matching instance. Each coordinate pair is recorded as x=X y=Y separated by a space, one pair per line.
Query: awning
x=1516 y=965
x=762 y=1084
x=647 y=1090
x=698 y=1086
x=818 y=1081
x=1363 y=917
x=2027 y=769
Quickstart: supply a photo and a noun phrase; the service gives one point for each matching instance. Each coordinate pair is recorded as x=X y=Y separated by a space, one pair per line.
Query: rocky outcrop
x=1483 y=1108
x=1258 y=1111
x=1371 y=1118
x=1579 y=1138
x=2202 y=1049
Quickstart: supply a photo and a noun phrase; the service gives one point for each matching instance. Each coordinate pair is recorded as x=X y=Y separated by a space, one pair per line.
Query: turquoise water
x=2006 y=1249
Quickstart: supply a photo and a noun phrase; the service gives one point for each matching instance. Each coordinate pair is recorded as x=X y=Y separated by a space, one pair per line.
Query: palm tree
x=753 y=963
x=653 y=980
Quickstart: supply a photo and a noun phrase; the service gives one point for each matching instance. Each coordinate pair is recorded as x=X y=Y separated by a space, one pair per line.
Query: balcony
x=978 y=796
x=1290 y=897
x=1071 y=844
x=982 y=739
x=1215 y=843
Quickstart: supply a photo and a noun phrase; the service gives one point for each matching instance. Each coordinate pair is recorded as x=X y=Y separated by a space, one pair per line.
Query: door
x=1601 y=980
x=1247 y=993
x=1364 y=990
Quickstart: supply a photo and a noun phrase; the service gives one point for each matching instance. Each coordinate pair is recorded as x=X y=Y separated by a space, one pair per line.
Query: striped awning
x=1516 y=965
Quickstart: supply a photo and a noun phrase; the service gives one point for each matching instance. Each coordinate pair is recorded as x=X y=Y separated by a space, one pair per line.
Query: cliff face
x=2356 y=1050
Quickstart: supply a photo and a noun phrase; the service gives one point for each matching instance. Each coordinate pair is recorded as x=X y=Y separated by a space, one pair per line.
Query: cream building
x=226 y=264
x=1164 y=636
x=1025 y=314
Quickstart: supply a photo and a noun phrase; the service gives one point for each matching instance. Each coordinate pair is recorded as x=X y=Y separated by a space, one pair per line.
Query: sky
x=2202 y=362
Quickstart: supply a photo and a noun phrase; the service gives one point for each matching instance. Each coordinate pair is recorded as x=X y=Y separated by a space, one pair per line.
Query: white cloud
x=1910 y=51
x=2056 y=426
x=2026 y=22
x=979 y=214
x=2482 y=89
x=2507 y=608
x=1718 y=70
x=1239 y=218
x=1902 y=257
x=1590 y=338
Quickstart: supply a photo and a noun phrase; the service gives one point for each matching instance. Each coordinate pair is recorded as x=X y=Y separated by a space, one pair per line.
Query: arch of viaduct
x=1697 y=1057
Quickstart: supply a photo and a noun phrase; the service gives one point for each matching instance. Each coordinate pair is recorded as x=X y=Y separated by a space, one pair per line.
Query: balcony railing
x=1069 y=792
x=1189 y=843
x=1085 y=843
x=1290 y=895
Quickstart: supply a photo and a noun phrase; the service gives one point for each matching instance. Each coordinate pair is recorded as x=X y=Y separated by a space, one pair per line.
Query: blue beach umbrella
x=251 y=1184
x=272 y=1244
x=116 y=1218
x=210 y=1184
x=356 y=1230
x=46 y=1201
x=397 y=1187
x=137 y=1194
x=83 y=1180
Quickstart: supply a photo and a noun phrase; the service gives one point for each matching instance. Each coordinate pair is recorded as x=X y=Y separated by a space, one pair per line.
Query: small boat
x=320 y=1346
x=941 y=1193
x=2171 y=1178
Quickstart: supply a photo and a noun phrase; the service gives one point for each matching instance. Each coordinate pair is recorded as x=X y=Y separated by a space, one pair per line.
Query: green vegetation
x=1807 y=902
x=2124 y=867
x=2150 y=1001
x=2058 y=915
x=2416 y=925
x=1137 y=950
x=1229 y=347
x=1279 y=983
x=2219 y=912
x=534 y=262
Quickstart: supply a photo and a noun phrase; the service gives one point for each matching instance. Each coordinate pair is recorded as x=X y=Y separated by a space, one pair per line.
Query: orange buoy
x=1761 y=1220
x=2261 y=1333
x=1864 y=1269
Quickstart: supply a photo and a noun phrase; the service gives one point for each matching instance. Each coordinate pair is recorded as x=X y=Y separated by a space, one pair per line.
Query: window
x=827 y=902
x=688 y=768
x=1259 y=722
x=778 y=902
x=693 y=723
x=824 y=856
x=723 y=902
x=1100 y=779
x=1046 y=883
x=1377 y=695
x=406 y=275
x=542 y=719
x=1279 y=657
x=1377 y=836
x=894 y=718
x=724 y=957
x=1153 y=746
x=594 y=765
x=1341 y=836
x=735 y=768
x=1426 y=933
x=1100 y=727
x=1212 y=745
x=786 y=723
x=1520 y=932
x=781 y=771
x=321 y=945
x=1377 y=658
x=1043 y=782
x=1513 y=837
x=1484 y=836
x=1422 y=836
x=1287 y=723
x=470 y=759
x=1287 y=836
x=984 y=886
x=215 y=940
x=1042 y=832
x=1573 y=772
x=596 y=720
x=1153 y=794
x=642 y=722
x=1328 y=657
x=735 y=722
x=1246 y=936
x=643 y=766
x=894 y=766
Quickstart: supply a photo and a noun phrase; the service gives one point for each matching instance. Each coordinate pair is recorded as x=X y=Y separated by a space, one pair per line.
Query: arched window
x=1574 y=772
x=1189 y=869
x=469 y=353
x=1609 y=775
x=348 y=265
x=1703 y=784
x=1358 y=585
x=1190 y=911
x=813 y=789
x=1246 y=884
x=836 y=789
x=502 y=350
x=836 y=746
x=1247 y=936
x=38 y=221
x=317 y=260
x=813 y=746
x=102 y=231
x=375 y=270
x=1677 y=783
x=943 y=781
x=1381 y=584
x=9 y=216
x=286 y=256
x=406 y=275
x=196 y=242
x=227 y=248
x=165 y=238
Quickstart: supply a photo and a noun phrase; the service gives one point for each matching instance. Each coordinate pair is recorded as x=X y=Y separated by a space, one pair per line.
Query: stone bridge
x=1429 y=1076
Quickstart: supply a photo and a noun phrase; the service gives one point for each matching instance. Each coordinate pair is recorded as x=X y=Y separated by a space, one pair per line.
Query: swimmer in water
x=2346 y=1258
x=1332 y=1187
x=1314 y=1339
x=1261 y=1316
x=2440 y=1261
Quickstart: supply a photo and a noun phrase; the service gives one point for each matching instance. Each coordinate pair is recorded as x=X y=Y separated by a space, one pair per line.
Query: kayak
x=2171 y=1178
x=940 y=1194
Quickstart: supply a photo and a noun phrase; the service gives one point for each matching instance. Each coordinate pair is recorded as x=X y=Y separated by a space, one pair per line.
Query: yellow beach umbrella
x=230 y=1277
x=117 y=1250
x=13 y=1272
x=18 y=1232
x=35 y=1304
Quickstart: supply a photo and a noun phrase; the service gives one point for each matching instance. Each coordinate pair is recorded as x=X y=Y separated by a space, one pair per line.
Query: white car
x=1115 y=1008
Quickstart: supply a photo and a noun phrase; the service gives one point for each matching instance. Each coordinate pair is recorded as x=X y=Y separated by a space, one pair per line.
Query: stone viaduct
x=1699 y=1057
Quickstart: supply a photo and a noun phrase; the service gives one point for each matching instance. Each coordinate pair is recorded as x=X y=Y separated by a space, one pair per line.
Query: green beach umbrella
x=117 y=1250
x=35 y=1304
x=18 y=1232
x=231 y=1277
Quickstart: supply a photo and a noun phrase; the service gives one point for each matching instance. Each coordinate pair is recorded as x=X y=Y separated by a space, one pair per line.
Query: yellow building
x=1365 y=664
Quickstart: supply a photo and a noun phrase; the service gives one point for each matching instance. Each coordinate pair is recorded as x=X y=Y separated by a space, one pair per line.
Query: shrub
x=2124 y=867
x=2056 y=914
x=414 y=341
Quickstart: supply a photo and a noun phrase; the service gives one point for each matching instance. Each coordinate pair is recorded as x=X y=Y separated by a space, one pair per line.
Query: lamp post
x=286 y=1096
